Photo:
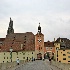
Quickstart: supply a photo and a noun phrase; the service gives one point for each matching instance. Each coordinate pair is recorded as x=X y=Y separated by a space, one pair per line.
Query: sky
x=53 y=16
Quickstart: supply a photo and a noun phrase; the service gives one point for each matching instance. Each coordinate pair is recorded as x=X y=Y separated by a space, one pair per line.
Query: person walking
x=17 y=61
x=50 y=60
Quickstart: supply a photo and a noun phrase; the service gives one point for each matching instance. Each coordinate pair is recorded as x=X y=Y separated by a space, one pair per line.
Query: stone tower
x=39 y=44
x=10 y=28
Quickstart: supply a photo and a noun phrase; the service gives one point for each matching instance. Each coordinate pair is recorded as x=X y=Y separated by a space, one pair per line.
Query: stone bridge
x=35 y=65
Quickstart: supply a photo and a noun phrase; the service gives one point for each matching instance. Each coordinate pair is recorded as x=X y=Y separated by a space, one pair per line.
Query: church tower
x=10 y=28
x=39 y=44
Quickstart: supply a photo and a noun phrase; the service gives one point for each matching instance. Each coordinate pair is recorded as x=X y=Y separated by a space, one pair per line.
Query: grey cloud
x=54 y=16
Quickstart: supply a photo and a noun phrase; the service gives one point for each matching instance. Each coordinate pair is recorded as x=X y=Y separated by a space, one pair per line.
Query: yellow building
x=57 y=47
x=64 y=56
x=62 y=48
x=10 y=57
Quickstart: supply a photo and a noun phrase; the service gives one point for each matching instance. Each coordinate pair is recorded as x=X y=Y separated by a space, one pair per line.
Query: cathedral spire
x=10 y=28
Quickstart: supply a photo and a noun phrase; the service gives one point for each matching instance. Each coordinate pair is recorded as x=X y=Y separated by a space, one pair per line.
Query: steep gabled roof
x=62 y=40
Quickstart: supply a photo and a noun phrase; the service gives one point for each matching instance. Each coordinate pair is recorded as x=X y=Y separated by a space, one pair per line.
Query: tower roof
x=39 y=28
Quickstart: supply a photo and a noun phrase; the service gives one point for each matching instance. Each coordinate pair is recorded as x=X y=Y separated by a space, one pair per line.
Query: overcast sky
x=53 y=15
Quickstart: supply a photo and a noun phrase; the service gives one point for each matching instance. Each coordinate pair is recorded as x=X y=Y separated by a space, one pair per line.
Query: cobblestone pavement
x=35 y=65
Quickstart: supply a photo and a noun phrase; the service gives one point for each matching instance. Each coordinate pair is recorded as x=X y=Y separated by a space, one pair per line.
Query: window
x=25 y=36
x=7 y=57
x=23 y=57
x=57 y=55
x=63 y=50
x=39 y=48
x=23 y=53
x=37 y=36
x=24 y=45
x=68 y=52
x=24 y=41
x=57 y=59
x=64 y=58
x=32 y=52
x=68 y=56
x=50 y=48
x=4 y=57
x=0 y=47
x=64 y=54
x=4 y=53
x=68 y=61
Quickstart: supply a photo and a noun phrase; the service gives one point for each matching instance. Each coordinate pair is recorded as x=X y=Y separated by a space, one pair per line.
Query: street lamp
x=11 y=53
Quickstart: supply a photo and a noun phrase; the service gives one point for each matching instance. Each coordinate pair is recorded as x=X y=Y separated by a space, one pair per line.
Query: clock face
x=39 y=40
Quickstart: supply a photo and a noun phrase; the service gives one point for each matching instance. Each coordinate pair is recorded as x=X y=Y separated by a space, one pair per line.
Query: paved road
x=36 y=65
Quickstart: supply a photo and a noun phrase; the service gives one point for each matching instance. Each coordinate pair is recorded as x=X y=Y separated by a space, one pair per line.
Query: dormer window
x=51 y=48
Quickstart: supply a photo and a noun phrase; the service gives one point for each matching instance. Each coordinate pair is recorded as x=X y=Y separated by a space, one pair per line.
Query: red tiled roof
x=15 y=40
x=48 y=44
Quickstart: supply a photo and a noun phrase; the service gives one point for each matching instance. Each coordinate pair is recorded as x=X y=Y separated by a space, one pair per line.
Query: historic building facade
x=27 y=46
x=49 y=49
x=39 y=44
x=62 y=48
x=21 y=45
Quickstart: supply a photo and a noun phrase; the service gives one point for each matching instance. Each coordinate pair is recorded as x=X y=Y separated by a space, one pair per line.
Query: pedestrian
x=17 y=61
x=50 y=60
x=43 y=59
x=34 y=59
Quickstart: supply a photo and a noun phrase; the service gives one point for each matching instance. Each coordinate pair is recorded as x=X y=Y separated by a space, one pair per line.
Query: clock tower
x=39 y=44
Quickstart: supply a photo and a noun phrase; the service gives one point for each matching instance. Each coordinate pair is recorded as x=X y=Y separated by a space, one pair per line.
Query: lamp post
x=11 y=54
